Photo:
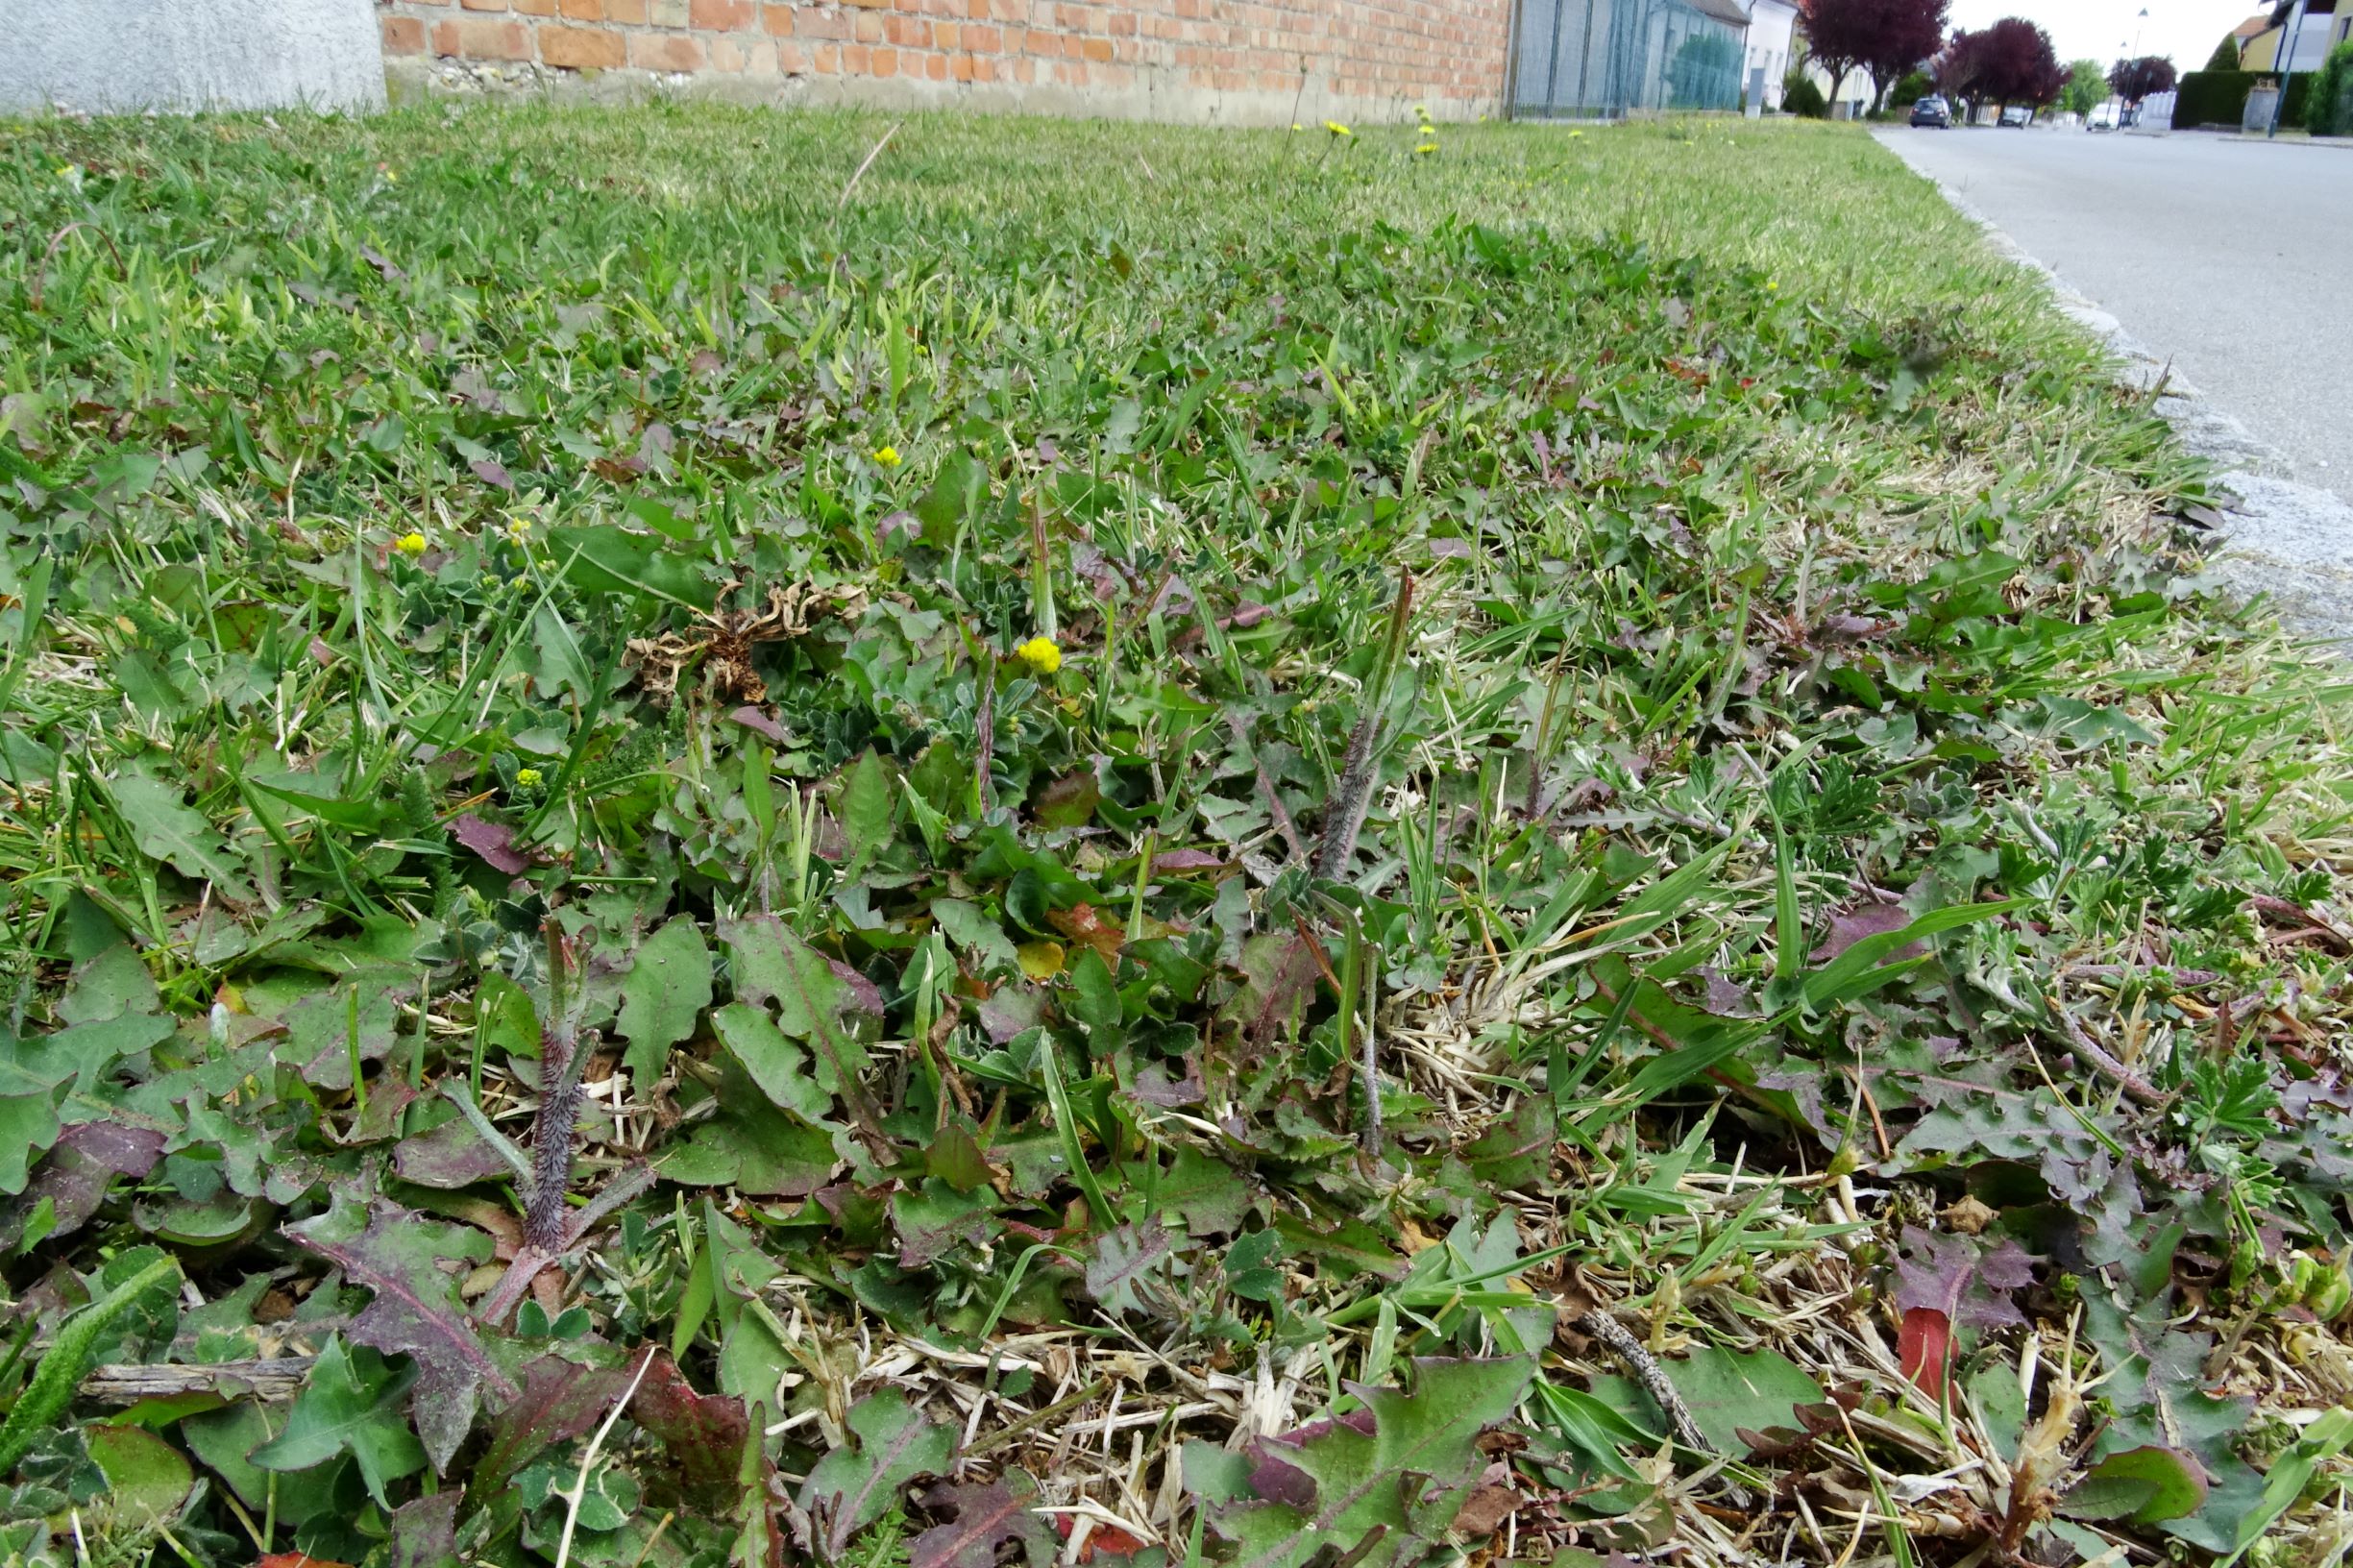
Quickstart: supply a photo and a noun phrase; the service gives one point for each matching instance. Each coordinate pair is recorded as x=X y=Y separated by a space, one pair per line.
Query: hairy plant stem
x=1344 y=817
x=560 y=1064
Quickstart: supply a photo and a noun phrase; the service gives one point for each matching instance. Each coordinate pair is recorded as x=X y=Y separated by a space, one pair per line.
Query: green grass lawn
x=996 y=830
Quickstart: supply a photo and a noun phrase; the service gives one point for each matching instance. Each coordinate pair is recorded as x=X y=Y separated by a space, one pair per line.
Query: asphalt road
x=2234 y=259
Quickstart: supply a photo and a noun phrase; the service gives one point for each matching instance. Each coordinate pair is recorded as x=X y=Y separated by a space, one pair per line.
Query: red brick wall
x=1176 y=60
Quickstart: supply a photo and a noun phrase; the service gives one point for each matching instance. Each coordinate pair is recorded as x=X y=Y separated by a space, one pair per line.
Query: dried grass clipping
x=729 y=636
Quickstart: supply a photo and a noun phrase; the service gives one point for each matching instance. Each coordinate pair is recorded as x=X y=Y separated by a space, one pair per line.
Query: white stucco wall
x=121 y=56
x=1771 y=23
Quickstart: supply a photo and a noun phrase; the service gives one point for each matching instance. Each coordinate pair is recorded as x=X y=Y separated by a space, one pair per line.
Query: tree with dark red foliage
x=2010 y=63
x=1960 y=71
x=2133 y=79
x=1883 y=37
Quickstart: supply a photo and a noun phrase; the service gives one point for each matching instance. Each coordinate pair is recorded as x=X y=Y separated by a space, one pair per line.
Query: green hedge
x=2328 y=107
x=2211 y=98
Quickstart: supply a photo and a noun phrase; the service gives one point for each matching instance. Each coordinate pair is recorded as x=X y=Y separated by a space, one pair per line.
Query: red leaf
x=492 y=841
x=297 y=1559
x=1925 y=1346
x=1104 y=1540
x=703 y=1433
x=560 y=1400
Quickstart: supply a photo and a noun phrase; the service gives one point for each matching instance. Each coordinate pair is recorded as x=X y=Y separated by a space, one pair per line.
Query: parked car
x=2107 y=116
x=2018 y=114
x=1932 y=110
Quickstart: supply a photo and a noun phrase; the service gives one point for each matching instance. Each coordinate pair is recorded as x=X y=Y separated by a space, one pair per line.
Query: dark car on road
x=1932 y=110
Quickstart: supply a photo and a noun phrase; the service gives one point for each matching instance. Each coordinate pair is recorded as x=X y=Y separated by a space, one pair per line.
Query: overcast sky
x=2186 y=30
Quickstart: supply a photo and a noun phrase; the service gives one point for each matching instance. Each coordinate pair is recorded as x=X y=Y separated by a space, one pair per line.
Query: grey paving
x=2232 y=259
x=2245 y=319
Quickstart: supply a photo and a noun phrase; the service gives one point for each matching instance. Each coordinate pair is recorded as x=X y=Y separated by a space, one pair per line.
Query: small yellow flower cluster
x=887 y=456
x=411 y=545
x=1041 y=655
x=1338 y=131
x=527 y=778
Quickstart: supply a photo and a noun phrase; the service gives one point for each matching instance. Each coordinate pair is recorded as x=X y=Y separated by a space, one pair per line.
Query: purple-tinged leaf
x=447 y=1157
x=492 y=841
x=560 y=1400
x=1951 y=1275
x=760 y=723
x=703 y=1433
x=1848 y=926
x=490 y=471
x=1124 y=1268
x=399 y=1254
x=80 y=1167
x=1011 y=1010
x=984 y=1518
x=422 y=1532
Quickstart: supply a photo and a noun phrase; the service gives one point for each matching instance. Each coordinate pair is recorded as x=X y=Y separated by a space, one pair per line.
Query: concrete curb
x=2278 y=538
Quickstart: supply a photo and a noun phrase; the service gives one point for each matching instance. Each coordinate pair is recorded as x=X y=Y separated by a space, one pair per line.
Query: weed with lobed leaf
x=1120 y=842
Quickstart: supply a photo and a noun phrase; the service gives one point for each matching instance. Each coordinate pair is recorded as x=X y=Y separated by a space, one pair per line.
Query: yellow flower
x=1338 y=128
x=1427 y=147
x=1574 y=135
x=527 y=778
x=887 y=456
x=1041 y=655
x=1296 y=126
x=1775 y=287
x=409 y=544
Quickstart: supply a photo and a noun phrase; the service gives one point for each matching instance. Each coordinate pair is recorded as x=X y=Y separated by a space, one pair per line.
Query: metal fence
x=1587 y=59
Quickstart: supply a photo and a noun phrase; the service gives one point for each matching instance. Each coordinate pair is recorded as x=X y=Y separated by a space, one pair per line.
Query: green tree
x=1910 y=90
x=2086 y=89
x=1800 y=95
x=2225 y=56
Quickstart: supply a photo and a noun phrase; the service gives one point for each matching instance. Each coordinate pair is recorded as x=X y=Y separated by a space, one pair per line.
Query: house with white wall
x=1772 y=31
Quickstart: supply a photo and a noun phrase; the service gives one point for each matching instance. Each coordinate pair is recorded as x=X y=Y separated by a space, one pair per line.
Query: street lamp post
x=2287 y=64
